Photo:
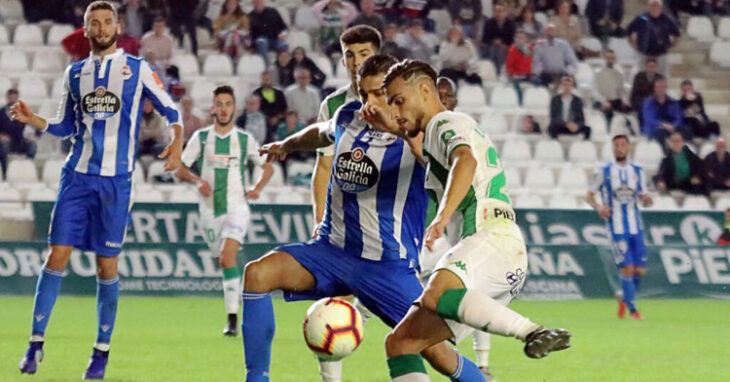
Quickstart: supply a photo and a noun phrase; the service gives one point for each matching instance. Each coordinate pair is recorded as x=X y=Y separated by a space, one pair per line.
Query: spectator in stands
x=529 y=125
x=662 y=115
x=693 y=113
x=567 y=25
x=334 y=16
x=268 y=29
x=300 y=58
x=604 y=17
x=497 y=36
x=681 y=169
x=512 y=6
x=191 y=122
x=609 y=92
x=282 y=70
x=545 y=6
x=390 y=46
x=553 y=58
x=698 y=7
x=153 y=132
x=447 y=92
x=12 y=138
x=125 y=41
x=653 y=33
x=724 y=238
x=643 y=85
x=232 y=30
x=368 y=16
x=466 y=14
x=416 y=10
x=158 y=47
x=388 y=9
x=526 y=21
x=182 y=15
x=519 y=61
x=302 y=97
x=416 y=41
x=273 y=101
x=458 y=58
x=717 y=166
x=253 y=120
x=566 y=112
x=137 y=18
x=290 y=125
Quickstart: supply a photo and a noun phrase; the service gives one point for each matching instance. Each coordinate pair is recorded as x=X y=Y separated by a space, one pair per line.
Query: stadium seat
x=625 y=53
x=41 y=194
x=187 y=64
x=514 y=180
x=277 y=178
x=250 y=67
x=720 y=53
x=664 y=202
x=324 y=64
x=218 y=65
x=529 y=201
x=10 y=199
x=156 y=168
x=549 y=151
x=542 y=18
x=597 y=123
x=186 y=195
x=539 y=180
x=57 y=89
x=494 y=124
x=583 y=153
x=607 y=152
x=584 y=76
x=515 y=152
x=32 y=89
x=706 y=149
x=619 y=125
x=299 y=39
x=22 y=171
x=57 y=33
x=581 y=5
x=591 y=43
x=471 y=99
x=723 y=28
x=696 y=203
x=138 y=174
x=284 y=13
x=51 y=174
x=48 y=109
x=306 y=19
x=149 y=196
x=289 y=198
x=442 y=19
x=4 y=38
x=573 y=179
x=503 y=98
x=13 y=61
x=486 y=71
x=722 y=204
x=5 y=84
x=648 y=154
x=700 y=28
x=202 y=93
x=537 y=100
x=47 y=61
x=28 y=35
x=562 y=201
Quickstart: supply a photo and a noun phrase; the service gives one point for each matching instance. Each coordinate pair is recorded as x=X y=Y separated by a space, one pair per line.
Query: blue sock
x=107 y=296
x=467 y=371
x=46 y=291
x=637 y=282
x=627 y=284
x=258 y=328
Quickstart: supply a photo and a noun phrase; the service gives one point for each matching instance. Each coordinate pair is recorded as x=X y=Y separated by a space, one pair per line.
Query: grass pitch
x=179 y=339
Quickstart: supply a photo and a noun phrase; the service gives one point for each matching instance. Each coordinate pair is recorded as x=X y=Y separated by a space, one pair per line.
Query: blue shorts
x=91 y=212
x=386 y=288
x=629 y=250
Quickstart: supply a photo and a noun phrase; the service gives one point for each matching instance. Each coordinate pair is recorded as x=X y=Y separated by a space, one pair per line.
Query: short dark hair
x=620 y=136
x=407 y=69
x=379 y=63
x=686 y=82
x=100 y=5
x=360 y=34
x=11 y=91
x=650 y=59
x=569 y=78
x=223 y=89
x=159 y=19
x=447 y=81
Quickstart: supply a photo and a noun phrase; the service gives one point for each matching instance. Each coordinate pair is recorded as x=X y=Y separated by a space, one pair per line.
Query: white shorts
x=492 y=261
x=232 y=225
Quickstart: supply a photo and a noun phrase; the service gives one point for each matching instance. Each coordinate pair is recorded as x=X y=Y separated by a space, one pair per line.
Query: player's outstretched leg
x=276 y=270
x=482 y=346
x=47 y=288
x=107 y=298
x=639 y=272
x=231 y=285
x=628 y=289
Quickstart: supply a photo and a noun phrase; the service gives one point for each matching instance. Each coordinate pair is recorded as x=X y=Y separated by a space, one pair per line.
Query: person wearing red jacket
x=77 y=45
x=519 y=61
x=724 y=238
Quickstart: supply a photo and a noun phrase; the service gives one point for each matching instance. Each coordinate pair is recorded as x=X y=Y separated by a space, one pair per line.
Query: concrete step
x=716 y=97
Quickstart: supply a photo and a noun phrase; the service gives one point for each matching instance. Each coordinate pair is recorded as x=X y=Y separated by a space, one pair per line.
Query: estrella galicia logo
x=101 y=104
x=355 y=172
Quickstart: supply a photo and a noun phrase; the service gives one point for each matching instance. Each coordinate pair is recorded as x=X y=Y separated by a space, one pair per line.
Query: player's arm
x=311 y=138
x=644 y=197
x=590 y=198
x=189 y=156
x=320 y=181
x=61 y=126
x=257 y=160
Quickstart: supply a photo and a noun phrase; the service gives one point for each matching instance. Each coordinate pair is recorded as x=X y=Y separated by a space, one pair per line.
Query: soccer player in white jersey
x=476 y=279
x=622 y=186
x=100 y=109
x=222 y=152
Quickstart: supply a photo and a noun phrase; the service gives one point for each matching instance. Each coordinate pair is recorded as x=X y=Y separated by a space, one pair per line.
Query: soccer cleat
x=621 y=309
x=541 y=342
x=97 y=364
x=33 y=356
x=231 y=329
x=487 y=374
x=637 y=316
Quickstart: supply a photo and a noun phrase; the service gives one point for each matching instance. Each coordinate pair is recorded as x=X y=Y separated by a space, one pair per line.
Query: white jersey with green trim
x=487 y=198
x=222 y=162
x=329 y=106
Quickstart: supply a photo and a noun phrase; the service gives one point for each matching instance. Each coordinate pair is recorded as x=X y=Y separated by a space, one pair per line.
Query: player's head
x=370 y=81
x=100 y=25
x=447 y=92
x=411 y=89
x=621 y=147
x=224 y=105
x=358 y=43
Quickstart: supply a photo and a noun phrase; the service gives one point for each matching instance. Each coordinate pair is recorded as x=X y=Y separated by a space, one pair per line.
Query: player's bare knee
x=107 y=268
x=58 y=258
x=255 y=277
x=639 y=271
x=627 y=270
x=430 y=298
x=395 y=343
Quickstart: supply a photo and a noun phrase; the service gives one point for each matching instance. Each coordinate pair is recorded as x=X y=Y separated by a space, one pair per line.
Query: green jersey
x=329 y=106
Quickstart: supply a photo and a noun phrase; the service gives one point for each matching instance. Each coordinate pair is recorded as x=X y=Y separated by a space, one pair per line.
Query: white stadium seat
x=28 y=35
x=512 y=175
x=13 y=61
x=218 y=65
x=722 y=204
x=48 y=109
x=4 y=38
x=503 y=98
x=539 y=180
x=149 y=196
x=562 y=201
x=625 y=53
x=324 y=64
x=515 y=152
x=47 y=61
x=57 y=89
x=583 y=152
x=607 y=152
x=442 y=19
x=52 y=172
x=537 y=99
x=289 y=198
x=696 y=202
x=584 y=76
x=573 y=179
x=591 y=43
x=250 y=67
x=57 y=33
x=486 y=71
x=41 y=194
x=664 y=202
x=185 y=195
x=494 y=124
x=648 y=154
x=306 y=19
x=32 y=88
x=284 y=13
x=529 y=201
x=720 y=52
x=5 y=84
x=700 y=28
x=187 y=65
x=706 y=149
x=549 y=151
x=10 y=199
x=471 y=97
x=597 y=123
x=156 y=168
x=22 y=171
x=298 y=39
x=138 y=174
x=202 y=93
x=723 y=28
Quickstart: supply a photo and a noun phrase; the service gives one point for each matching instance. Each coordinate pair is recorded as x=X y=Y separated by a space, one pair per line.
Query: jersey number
x=494 y=189
x=211 y=235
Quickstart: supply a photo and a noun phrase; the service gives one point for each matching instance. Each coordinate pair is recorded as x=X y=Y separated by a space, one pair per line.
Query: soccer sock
x=482 y=345
x=364 y=311
x=46 y=291
x=407 y=368
x=637 y=282
x=482 y=312
x=258 y=329
x=231 y=283
x=330 y=371
x=627 y=284
x=467 y=371
x=107 y=296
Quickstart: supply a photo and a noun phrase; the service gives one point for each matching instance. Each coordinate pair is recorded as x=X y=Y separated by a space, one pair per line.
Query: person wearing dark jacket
x=694 y=115
x=466 y=13
x=566 y=112
x=681 y=169
x=717 y=166
x=268 y=30
x=497 y=36
x=182 y=18
x=661 y=115
x=273 y=101
x=643 y=85
x=299 y=58
x=604 y=17
x=724 y=238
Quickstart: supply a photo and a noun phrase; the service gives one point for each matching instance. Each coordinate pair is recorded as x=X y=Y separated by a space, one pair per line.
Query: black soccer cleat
x=33 y=356
x=542 y=342
x=231 y=328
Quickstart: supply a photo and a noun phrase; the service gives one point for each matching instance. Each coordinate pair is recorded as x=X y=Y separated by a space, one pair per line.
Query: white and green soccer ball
x=333 y=328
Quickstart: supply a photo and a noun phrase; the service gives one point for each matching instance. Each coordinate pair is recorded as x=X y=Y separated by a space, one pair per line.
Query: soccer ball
x=333 y=328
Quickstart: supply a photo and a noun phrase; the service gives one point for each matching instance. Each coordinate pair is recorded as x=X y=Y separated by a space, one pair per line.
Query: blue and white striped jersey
x=376 y=204
x=101 y=109
x=620 y=187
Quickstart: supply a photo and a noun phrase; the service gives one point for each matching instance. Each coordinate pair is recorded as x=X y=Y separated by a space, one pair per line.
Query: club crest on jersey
x=355 y=171
x=126 y=72
x=100 y=103
x=624 y=194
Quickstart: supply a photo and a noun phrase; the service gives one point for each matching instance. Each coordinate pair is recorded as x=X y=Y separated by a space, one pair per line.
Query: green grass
x=166 y=339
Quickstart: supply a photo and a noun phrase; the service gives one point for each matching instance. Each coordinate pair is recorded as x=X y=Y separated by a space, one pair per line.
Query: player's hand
x=604 y=212
x=204 y=188
x=315 y=231
x=435 y=230
x=173 y=153
x=274 y=151
x=376 y=117
x=21 y=112
x=253 y=194
x=416 y=144
x=646 y=200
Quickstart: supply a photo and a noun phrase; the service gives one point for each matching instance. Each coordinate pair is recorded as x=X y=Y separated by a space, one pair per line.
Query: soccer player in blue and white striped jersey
x=622 y=186
x=100 y=110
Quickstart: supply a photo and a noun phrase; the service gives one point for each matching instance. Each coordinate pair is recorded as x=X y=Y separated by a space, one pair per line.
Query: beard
x=620 y=158
x=99 y=46
x=222 y=123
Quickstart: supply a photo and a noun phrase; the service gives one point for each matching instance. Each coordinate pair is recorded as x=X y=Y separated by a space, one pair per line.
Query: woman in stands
x=458 y=57
x=232 y=30
x=300 y=59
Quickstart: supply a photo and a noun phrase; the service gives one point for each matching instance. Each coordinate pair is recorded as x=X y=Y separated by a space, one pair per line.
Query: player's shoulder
x=347 y=112
x=448 y=120
x=241 y=132
x=203 y=131
x=339 y=93
x=636 y=167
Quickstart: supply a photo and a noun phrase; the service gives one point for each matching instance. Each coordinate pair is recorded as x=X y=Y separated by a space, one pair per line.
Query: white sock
x=330 y=371
x=482 y=312
x=232 y=294
x=412 y=377
x=482 y=345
